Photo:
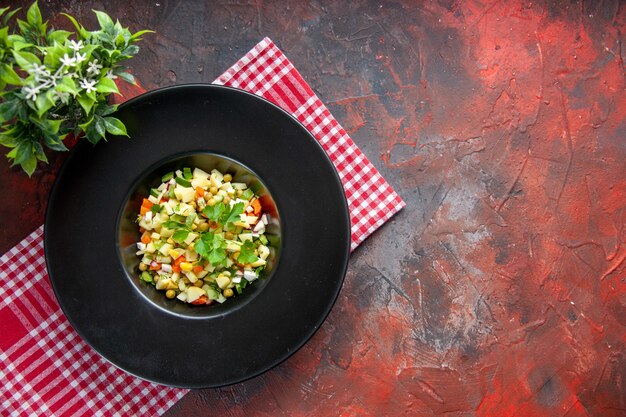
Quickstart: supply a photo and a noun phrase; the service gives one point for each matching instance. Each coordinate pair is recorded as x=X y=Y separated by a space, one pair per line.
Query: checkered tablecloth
x=47 y=370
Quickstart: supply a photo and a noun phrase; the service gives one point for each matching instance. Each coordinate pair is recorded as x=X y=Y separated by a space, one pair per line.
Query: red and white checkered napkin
x=266 y=71
x=46 y=368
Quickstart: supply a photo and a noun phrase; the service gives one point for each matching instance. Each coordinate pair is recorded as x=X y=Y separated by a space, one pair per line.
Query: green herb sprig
x=56 y=82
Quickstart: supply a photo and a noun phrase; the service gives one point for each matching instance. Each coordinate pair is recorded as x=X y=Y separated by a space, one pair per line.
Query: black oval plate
x=116 y=320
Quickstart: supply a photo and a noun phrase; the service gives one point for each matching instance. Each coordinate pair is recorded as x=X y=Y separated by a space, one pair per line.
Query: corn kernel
x=174 y=253
x=186 y=266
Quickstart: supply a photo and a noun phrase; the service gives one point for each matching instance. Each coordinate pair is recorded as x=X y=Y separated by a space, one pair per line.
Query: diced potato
x=165 y=249
x=264 y=252
x=222 y=281
x=185 y=194
x=191 y=255
x=164 y=259
x=258 y=263
x=217 y=174
x=232 y=246
x=193 y=293
x=166 y=284
x=216 y=182
x=181 y=285
x=192 y=277
x=165 y=232
x=200 y=182
x=200 y=174
x=145 y=225
x=190 y=238
x=245 y=236
x=150 y=248
x=182 y=296
x=153 y=199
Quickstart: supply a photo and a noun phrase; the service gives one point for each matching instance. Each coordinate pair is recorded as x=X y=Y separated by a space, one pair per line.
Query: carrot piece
x=202 y=300
x=145 y=238
x=256 y=206
x=197 y=269
x=146 y=205
x=199 y=192
x=176 y=268
x=178 y=260
x=155 y=266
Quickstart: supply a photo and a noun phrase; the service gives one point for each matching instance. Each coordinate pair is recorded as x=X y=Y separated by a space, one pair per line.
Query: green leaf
x=58 y=36
x=106 y=85
x=190 y=219
x=44 y=103
x=214 y=212
x=92 y=134
x=39 y=153
x=23 y=152
x=53 y=126
x=128 y=77
x=67 y=85
x=9 y=15
x=54 y=54
x=9 y=76
x=137 y=35
x=25 y=59
x=172 y=224
x=99 y=126
x=246 y=253
x=29 y=165
x=114 y=126
x=201 y=248
x=234 y=214
x=19 y=45
x=81 y=30
x=33 y=16
x=131 y=50
x=105 y=109
x=54 y=142
x=4 y=34
x=104 y=20
x=180 y=235
x=7 y=140
x=217 y=256
x=85 y=102
x=8 y=110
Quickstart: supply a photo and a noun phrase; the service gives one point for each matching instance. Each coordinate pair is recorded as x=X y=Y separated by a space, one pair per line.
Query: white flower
x=67 y=61
x=31 y=93
x=76 y=46
x=94 y=67
x=63 y=96
x=88 y=85
x=80 y=58
x=39 y=70
x=110 y=75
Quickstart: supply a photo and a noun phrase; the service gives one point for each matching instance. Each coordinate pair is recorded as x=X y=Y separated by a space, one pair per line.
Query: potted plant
x=56 y=83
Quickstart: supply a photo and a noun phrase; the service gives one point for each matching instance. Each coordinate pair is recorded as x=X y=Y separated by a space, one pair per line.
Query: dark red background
x=500 y=289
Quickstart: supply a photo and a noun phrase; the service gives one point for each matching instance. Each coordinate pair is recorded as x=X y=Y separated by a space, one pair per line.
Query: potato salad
x=203 y=236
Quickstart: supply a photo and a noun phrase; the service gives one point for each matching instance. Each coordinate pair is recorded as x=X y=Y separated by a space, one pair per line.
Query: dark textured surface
x=500 y=289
